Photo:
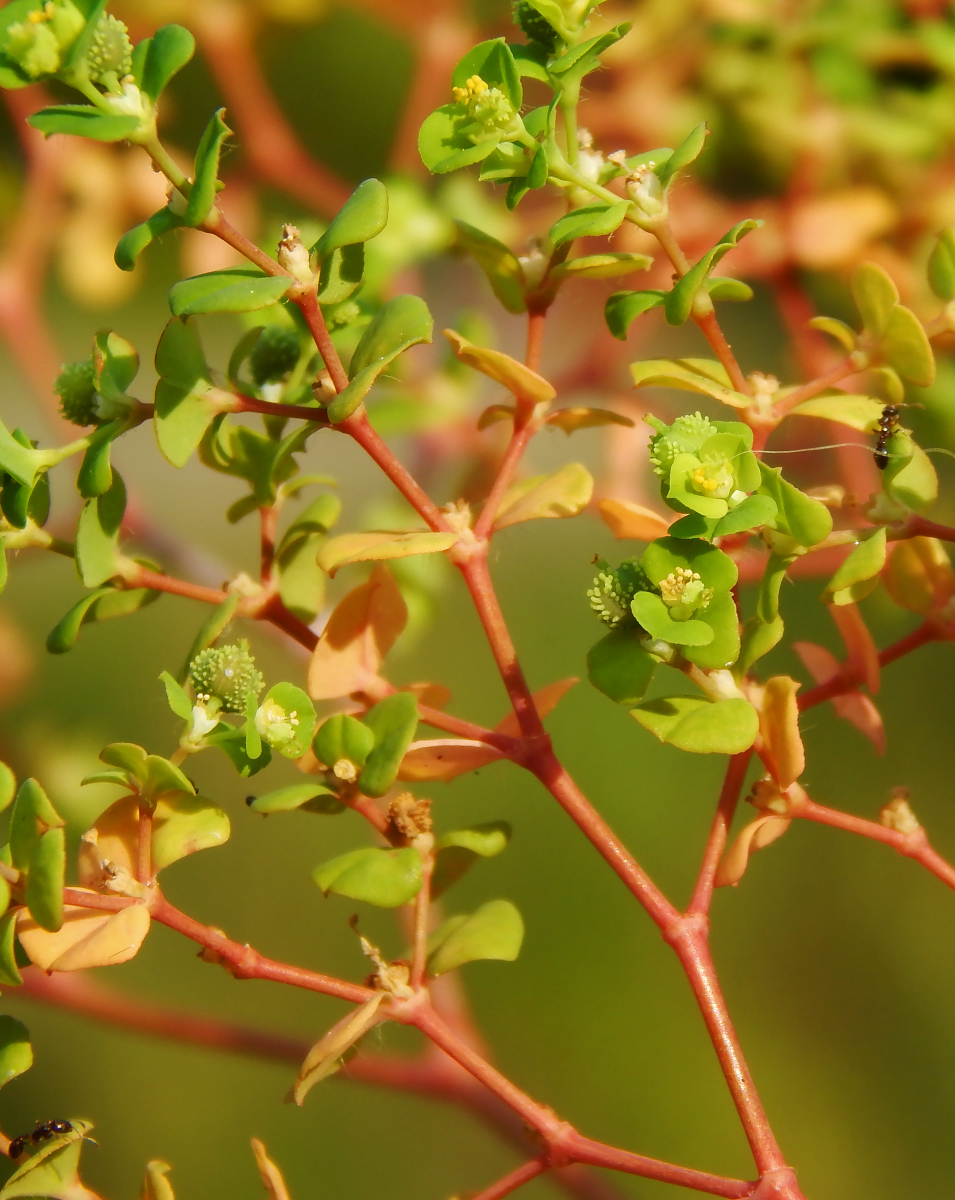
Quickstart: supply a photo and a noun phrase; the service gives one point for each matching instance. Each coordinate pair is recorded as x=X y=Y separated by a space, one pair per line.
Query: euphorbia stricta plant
x=694 y=605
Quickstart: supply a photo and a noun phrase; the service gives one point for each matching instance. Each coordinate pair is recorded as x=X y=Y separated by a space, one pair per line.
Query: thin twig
x=513 y=1180
x=719 y=831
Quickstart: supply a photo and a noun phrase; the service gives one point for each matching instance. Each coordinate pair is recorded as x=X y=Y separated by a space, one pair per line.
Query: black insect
x=886 y=425
x=17 y=1146
x=49 y=1129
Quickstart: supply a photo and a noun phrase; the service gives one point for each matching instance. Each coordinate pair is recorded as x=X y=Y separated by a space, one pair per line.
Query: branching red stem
x=847 y=681
x=515 y=1179
x=841 y=370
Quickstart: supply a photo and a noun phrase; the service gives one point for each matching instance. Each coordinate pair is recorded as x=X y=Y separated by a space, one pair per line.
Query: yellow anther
x=345 y=769
x=475 y=86
x=701 y=480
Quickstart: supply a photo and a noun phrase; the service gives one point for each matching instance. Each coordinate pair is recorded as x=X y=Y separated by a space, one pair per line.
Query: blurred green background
x=837 y=956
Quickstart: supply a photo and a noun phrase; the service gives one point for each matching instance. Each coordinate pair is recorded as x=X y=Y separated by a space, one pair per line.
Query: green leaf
x=378 y=547
x=905 y=347
x=808 y=521
x=703 y=375
x=494 y=63
x=655 y=618
x=941 y=266
x=50 y=1171
x=619 y=666
x=97 y=535
x=386 y=878
x=103 y=604
x=184 y=824
x=579 y=60
x=393 y=722
x=95 y=474
x=163 y=779
x=127 y=756
x=593 y=220
x=402 y=322
x=362 y=217
x=295 y=796
x=759 y=637
x=444 y=147
x=212 y=629
x=232 y=742
x=499 y=264
x=910 y=479
x=858 y=412
x=728 y=289
x=183 y=411
x=9 y=972
x=563 y=494
x=8 y=786
x=843 y=333
x=82 y=120
x=44 y=890
x=679 y=303
x=22 y=462
x=301 y=579
x=494 y=931
x=531 y=60
x=700 y=726
x=723 y=650
x=602 y=266
x=750 y=513
x=177 y=697
x=16 y=1053
x=875 y=295
x=687 y=151
x=202 y=194
x=170 y=48
x=234 y=290
x=179 y=355
x=456 y=852
x=342 y=736
x=858 y=576
x=131 y=245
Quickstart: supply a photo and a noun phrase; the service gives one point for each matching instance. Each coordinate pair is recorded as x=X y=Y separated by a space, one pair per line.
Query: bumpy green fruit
x=534 y=26
x=227 y=673
x=274 y=354
x=111 y=52
x=76 y=387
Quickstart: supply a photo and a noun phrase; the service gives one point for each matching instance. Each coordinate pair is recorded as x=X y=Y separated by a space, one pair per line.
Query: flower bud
x=646 y=191
x=39 y=43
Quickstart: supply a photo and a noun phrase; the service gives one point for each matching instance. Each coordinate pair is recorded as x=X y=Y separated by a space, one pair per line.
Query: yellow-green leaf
x=703 y=375
x=523 y=383
x=376 y=547
x=563 y=494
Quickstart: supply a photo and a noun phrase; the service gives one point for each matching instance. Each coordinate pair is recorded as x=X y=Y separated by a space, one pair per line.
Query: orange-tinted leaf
x=494 y=413
x=443 y=759
x=359 y=633
x=754 y=836
x=862 y=655
x=376 y=546
x=526 y=386
x=572 y=419
x=89 y=937
x=563 y=494
x=545 y=700
x=434 y=695
x=271 y=1175
x=779 y=727
x=628 y=520
x=854 y=707
x=324 y=1058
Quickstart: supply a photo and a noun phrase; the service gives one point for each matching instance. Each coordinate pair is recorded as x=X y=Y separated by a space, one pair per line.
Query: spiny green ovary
x=342 y=314
x=685 y=436
x=227 y=673
x=613 y=590
x=684 y=593
x=534 y=27
x=37 y=43
x=76 y=387
x=111 y=52
x=274 y=355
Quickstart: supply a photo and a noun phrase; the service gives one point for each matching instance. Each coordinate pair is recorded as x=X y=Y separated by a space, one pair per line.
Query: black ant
x=885 y=427
x=43 y=1133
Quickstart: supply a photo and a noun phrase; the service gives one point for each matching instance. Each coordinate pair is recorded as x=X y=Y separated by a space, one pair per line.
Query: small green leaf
x=97 y=535
x=47 y=873
x=362 y=217
x=859 y=574
x=808 y=521
x=858 y=412
x=170 y=48
x=759 y=637
x=379 y=547
x=52 y=1170
x=563 y=494
x=499 y=264
x=393 y=722
x=232 y=742
x=619 y=666
x=687 y=151
x=456 y=852
x=655 y=618
x=905 y=347
x=679 y=303
x=602 y=266
x=102 y=604
x=131 y=245
x=295 y=796
x=8 y=786
x=494 y=931
x=386 y=878
x=400 y=323
x=910 y=479
x=700 y=726
x=234 y=290
x=179 y=355
x=301 y=579
x=82 y=120
x=31 y=810
x=162 y=778
x=22 y=462
x=843 y=333
x=623 y=308
x=703 y=375
x=177 y=697
x=16 y=1053
x=593 y=220
x=184 y=824
x=941 y=266
x=750 y=513
x=728 y=289
x=9 y=971
x=95 y=474
x=202 y=194
x=580 y=60
x=342 y=736
x=212 y=629
x=875 y=295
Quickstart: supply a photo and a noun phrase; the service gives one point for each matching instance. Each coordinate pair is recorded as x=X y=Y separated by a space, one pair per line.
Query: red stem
x=142 y=577
x=268 y=521
x=312 y=312
x=829 y=378
x=719 y=831
x=920 y=527
x=536 y=322
x=847 y=680
x=710 y=327
x=517 y=1178
x=509 y=464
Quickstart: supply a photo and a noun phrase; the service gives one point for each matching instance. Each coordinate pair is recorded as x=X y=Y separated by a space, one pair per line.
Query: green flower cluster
x=40 y=44
x=706 y=467
x=492 y=116
x=614 y=589
x=227 y=674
